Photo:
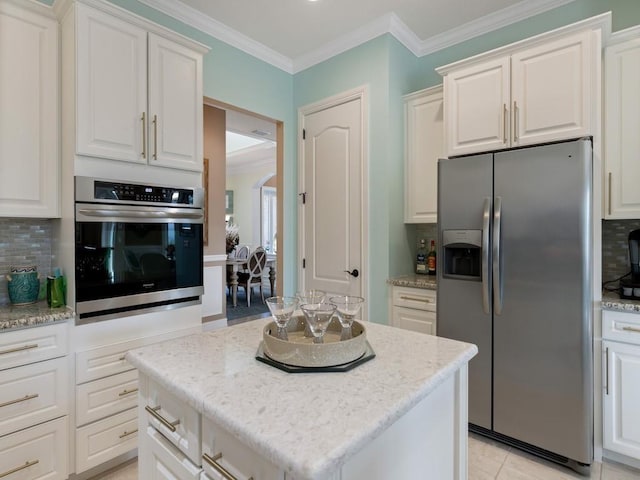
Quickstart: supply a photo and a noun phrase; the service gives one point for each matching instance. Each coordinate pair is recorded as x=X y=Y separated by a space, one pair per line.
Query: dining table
x=238 y=264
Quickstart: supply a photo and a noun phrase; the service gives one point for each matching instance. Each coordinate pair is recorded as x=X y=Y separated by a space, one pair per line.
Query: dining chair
x=253 y=275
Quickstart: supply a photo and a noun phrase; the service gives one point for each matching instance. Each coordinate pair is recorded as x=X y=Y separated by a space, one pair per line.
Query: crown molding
x=32 y=6
x=367 y=32
x=198 y=20
x=389 y=23
x=488 y=23
x=625 y=35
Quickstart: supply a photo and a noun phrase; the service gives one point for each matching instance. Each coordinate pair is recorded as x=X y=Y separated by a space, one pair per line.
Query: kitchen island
x=206 y=404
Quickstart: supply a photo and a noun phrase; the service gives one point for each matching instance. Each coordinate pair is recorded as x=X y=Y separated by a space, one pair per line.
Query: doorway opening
x=252 y=208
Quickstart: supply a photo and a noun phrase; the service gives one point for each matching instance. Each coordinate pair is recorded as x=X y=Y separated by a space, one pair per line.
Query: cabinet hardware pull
x=127 y=392
x=144 y=134
x=609 y=193
x=631 y=329
x=154 y=413
x=126 y=434
x=155 y=137
x=18 y=400
x=516 y=114
x=27 y=464
x=213 y=461
x=122 y=359
x=415 y=299
x=19 y=349
x=504 y=123
x=606 y=356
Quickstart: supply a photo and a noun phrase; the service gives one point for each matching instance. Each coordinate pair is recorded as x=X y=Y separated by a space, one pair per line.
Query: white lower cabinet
x=413 y=309
x=167 y=461
x=106 y=439
x=34 y=403
x=36 y=453
x=223 y=455
x=621 y=416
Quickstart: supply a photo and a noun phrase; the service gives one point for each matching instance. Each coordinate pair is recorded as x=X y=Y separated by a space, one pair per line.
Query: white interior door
x=332 y=209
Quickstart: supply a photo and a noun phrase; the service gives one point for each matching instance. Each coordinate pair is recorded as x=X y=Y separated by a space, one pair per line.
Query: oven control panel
x=129 y=192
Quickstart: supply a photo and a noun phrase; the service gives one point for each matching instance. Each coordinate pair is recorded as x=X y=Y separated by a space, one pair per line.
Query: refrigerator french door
x=515 y=279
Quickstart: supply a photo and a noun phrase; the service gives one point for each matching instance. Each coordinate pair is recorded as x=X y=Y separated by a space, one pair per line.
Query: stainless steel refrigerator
x=514 y=278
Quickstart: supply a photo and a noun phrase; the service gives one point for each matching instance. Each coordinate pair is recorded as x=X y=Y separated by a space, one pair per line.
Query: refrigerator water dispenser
x=462 y=254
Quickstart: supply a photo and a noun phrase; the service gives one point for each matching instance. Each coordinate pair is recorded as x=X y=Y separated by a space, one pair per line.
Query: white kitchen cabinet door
x=551 y=90
x=29 y=116
x=175 y=105
x=621 y=127
x=37 y=453
x=477 y=107
x=415 y=320
x=111 y=88
x=621 y=415
x=424 y=145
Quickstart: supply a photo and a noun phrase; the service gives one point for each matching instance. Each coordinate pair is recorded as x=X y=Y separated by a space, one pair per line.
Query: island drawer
x=104 y=397
x=33 y=394
x=36 y=453
x=106 y=439
x=621 y=326
x=20 y=347
x=167 y=461
x=417 y=298
x=174 y=419
x=221 y=450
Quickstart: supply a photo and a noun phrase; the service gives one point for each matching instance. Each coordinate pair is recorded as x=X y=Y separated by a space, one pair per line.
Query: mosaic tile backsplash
x=615 y=247
x=24 y=241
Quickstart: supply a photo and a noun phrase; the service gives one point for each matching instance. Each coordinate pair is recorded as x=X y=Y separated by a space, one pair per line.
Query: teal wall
x=390 y=71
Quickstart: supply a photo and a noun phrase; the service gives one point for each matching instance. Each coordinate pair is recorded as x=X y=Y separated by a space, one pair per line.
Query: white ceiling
x=256 y=156
x=295 y=34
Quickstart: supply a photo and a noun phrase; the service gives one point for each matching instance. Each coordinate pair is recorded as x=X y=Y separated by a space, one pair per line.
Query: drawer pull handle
x=631 y=329
x=18 y=400
x=415 y=299
x=213 y=461
x=21 y=467
x=20 y=349
x=126 y=434
x=154 y=413
x=127 y=392
x=122 y=359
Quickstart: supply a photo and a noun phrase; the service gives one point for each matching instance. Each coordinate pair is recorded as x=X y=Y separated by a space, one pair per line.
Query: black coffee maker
x=630 y=287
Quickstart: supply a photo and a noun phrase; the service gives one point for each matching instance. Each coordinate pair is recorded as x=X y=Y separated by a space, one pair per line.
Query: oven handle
x=136 y=214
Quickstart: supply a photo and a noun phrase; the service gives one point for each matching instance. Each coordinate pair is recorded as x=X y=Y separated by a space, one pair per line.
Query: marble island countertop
x=428 y=282
x=307 y=424
x=35 y=314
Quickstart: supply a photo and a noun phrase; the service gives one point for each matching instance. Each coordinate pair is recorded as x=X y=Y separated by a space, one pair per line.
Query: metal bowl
x=300 y=351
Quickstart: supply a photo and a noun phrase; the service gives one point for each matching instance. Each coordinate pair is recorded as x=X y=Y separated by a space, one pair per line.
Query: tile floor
x=488 y=460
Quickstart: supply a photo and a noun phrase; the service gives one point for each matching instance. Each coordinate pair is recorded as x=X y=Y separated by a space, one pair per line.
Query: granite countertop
x=612 y=301
x=427 y=282
x=270 y=410
x=36 y=314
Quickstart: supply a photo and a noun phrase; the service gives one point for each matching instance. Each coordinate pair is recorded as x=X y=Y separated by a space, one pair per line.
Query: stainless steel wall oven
x=138 y=248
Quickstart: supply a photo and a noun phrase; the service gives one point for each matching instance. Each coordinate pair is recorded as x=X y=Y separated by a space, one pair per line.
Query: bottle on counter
x=431 y=259
x=421 y=258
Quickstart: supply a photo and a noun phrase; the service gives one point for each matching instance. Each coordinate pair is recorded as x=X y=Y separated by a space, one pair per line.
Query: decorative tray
x=299 y=351
x=369 y=354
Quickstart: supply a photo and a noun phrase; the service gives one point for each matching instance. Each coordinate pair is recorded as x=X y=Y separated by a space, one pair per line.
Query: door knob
x=354 y=273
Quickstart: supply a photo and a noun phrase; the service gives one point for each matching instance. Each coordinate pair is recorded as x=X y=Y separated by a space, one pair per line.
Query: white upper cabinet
x=175 y=105
x=29 y=114
x=424 y=145
x=551 y=90
x=477 y=99
x=111 y=88
x=138 y=90
x=622 y=126
x=536 y=91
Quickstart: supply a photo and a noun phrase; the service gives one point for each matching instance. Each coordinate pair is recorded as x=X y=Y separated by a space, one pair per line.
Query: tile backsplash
x=615 y=247
x=24 y=241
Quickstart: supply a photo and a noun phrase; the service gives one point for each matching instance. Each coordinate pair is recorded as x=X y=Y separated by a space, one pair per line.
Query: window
x=269 y=220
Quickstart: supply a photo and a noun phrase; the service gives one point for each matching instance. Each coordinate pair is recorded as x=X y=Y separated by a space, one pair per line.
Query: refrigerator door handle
x=486 y=221
x=497 y=274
